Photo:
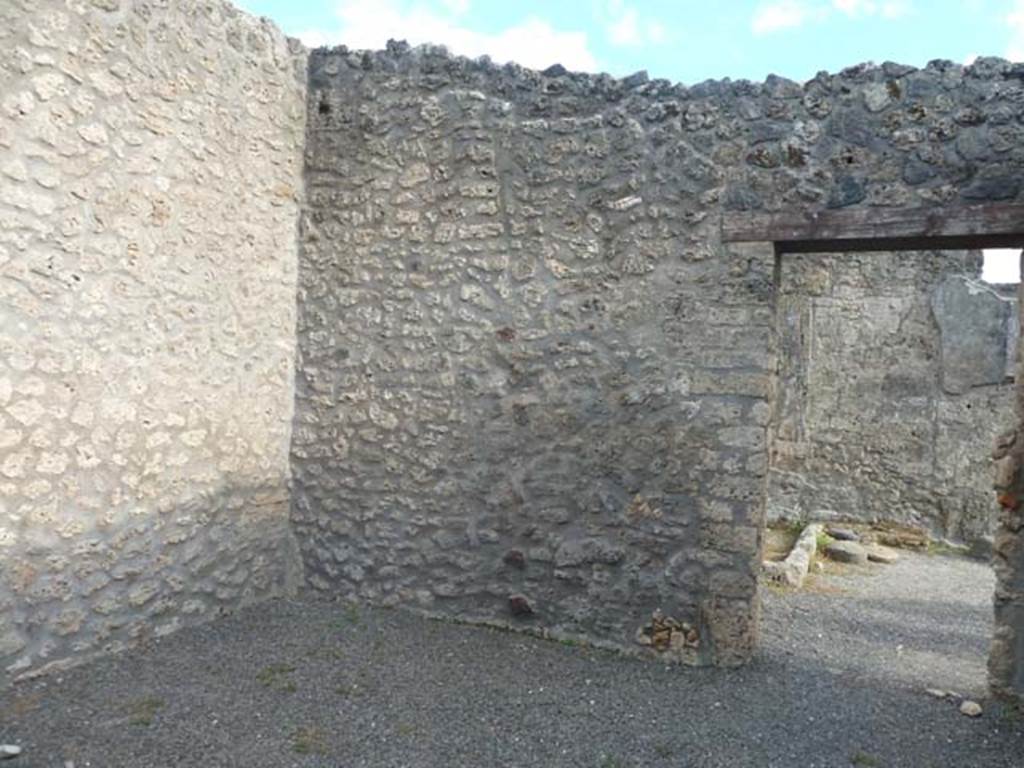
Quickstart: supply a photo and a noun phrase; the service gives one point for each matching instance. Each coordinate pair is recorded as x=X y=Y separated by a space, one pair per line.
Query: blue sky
x=686 y=40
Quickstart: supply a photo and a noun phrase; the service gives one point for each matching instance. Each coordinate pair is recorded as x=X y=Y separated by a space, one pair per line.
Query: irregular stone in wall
x=665 y=633
x=733 y=626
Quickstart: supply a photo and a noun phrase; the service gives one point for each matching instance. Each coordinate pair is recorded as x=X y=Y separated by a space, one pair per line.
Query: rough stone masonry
x=150 y=166
x=532 y=386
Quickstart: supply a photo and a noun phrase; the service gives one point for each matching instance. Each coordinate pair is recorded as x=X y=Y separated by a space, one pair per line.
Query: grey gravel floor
x=839 y=682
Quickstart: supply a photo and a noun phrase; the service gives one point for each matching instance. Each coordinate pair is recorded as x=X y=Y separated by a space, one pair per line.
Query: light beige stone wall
x=150 y=170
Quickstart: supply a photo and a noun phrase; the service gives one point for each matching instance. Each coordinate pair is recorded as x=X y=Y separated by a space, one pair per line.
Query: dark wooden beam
x=925 y=243
x=882 y=229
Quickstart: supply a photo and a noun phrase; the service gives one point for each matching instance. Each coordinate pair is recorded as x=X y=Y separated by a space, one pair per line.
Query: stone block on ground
x=847 y=552
x=901 y=537
x=7 y=751
x=879 y=554
x=842 y=534
x=793 y=569
x=971 y=708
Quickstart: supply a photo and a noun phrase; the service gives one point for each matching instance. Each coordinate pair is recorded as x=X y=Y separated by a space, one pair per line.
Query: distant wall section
x=895 y=377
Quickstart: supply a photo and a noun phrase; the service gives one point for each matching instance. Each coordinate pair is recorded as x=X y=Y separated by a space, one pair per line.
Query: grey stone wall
x=530 y=389
x=532 y=383
x=893 y=384
x=1006 y=658
x=150 y=166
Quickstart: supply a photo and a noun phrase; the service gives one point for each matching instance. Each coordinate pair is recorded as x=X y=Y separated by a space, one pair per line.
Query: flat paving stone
x=847 y=552
x=880 y=554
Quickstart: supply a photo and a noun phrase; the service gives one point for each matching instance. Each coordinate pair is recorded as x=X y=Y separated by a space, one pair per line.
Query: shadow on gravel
x=318 y=684
x=944 y=626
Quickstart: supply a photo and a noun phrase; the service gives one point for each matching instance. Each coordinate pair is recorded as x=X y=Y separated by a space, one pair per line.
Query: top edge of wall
x=399 y=56
x=256 y=37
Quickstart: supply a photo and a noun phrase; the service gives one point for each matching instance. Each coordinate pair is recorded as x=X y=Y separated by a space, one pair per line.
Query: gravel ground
x=839 y=682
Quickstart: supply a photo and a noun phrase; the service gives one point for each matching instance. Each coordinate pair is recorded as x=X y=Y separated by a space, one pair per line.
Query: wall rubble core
x=532 y=385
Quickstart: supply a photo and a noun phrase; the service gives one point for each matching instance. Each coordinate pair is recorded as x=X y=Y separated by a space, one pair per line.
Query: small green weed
x=350 y=617
x=574 y=642
x=775 y=587
x=822 y=542
x=795 y=527
x=942 y=548
x=276 y=676
x=142 y=711
x=864 y=759
x=1012 y=713
x=309 y=740
x=327 y=652
x=349 y=690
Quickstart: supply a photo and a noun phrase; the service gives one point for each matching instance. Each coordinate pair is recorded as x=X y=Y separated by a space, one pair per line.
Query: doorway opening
x=964 y=366
x=894 y=376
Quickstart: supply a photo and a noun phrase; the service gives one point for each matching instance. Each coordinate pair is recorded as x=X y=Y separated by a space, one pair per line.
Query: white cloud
x=1015 y=21
x=456 y=6
x=625 y=30
x=625 y=26
x=849 y=7
x=894 y=9
x=532 y=42
x=656 y=32
x=315 y=38
x=887 y=9
x=785 y=14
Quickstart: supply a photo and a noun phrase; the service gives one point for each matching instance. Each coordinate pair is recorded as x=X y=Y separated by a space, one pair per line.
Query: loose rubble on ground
x=7 y=751
x=849 y=545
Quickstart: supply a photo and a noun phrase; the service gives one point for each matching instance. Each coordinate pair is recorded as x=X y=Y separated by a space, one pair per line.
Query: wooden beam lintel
x=945 y=227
